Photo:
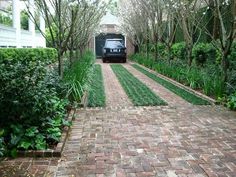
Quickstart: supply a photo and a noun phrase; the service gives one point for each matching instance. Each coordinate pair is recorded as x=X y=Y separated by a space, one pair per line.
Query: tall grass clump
x=78 y=76
x=200 y=78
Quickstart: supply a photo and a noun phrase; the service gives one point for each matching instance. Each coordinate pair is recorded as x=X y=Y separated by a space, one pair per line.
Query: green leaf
x=25 y=145
x=13 y=153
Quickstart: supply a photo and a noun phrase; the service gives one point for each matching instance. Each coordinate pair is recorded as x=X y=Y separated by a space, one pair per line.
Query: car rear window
x=114 y=44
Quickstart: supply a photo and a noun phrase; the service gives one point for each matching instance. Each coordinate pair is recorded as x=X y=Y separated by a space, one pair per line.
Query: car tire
x=124 y=60
x=104 y=60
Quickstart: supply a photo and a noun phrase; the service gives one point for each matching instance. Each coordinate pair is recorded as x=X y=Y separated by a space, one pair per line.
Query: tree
x=89 y=16
x=133 y=21
x=170 y=26
x=224 y=11
x=55 y=14
x=190 y=21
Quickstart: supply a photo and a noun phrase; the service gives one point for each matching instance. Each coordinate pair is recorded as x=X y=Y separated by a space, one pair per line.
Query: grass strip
x=97 y=96
x=138 y=92
x=190 y=97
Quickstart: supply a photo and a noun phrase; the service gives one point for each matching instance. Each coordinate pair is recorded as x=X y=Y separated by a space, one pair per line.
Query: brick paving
x=115 y=95
x=173 y=141
x=171 y=98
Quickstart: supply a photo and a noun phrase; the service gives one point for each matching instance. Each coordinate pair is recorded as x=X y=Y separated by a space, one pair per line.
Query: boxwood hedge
x=45 y=55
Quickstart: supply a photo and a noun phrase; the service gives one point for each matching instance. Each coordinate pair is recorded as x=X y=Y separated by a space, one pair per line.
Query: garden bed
x=186 y=93
x=138 y=92
x=57 y=151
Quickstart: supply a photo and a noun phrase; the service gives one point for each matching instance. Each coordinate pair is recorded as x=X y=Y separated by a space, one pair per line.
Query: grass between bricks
x=97 y=96
x=190 y=97
x=138 y=92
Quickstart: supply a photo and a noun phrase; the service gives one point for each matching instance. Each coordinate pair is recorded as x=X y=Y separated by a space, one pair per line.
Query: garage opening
x=100 y=41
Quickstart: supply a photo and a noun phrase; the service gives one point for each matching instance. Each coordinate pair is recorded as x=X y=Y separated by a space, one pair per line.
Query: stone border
x=211 y=100
x=57 y=152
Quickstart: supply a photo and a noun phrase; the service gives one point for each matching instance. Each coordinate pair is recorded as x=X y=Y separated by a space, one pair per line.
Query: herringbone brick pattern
x=120 y=140
x=151 y=142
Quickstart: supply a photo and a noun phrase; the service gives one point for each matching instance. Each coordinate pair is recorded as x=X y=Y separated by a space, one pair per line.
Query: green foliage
x=192 y=98
x=207 y=79
x=31 y=110
x=113 y=8
x=203 y=52
x=178 y=51
x=29 y=138
x=78 y=76
x=231 y=102
x=2 y=144
x=97 y=96
x=49 y=39
x=5 y=20
x=44 y=55
x=24 y=18
x=160 y=49
x=138 y=92
x=141 y=59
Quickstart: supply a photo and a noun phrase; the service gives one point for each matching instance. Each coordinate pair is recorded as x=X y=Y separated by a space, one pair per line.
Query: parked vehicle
x=114 y=50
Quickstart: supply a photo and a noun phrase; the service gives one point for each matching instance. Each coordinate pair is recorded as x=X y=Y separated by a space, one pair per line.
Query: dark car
x=114 y=50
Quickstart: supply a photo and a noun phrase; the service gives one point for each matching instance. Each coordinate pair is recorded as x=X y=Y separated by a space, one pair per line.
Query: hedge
x=45 y=55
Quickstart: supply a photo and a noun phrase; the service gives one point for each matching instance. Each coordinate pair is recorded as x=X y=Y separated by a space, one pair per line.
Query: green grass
x=190 y=97
x=138 y=92
x=97 y=96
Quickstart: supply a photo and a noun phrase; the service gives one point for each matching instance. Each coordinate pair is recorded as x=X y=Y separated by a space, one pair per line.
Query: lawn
x=97 y=96
x=137 y=91
x=190 y=97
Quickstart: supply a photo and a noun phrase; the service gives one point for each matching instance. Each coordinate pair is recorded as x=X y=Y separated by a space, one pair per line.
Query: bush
x=179 y=51
x=203 y=52
x=31 y=111
x=44 y=55
x=161 y=49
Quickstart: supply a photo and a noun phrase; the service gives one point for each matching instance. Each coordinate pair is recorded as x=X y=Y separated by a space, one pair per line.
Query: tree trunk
x=169 y=52
x=60 y=63
x=71 y=56
x=77 y=54
x=189 y=54
x=81 y=51
x=147 y=49
x=225 y=65
x=136 y=48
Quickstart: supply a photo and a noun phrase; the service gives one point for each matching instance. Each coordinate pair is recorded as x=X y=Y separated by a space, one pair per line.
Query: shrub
x=31 y=112
x=203 y=52
x=161 y=49
x=44 y=55
x=179 y=50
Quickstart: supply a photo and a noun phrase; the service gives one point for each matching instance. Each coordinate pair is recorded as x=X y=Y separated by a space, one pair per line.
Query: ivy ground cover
x=97 y=94
x=138 y=92
x=190 y=97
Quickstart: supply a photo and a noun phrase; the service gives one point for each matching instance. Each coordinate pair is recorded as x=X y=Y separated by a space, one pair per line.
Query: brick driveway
x=122 y=140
